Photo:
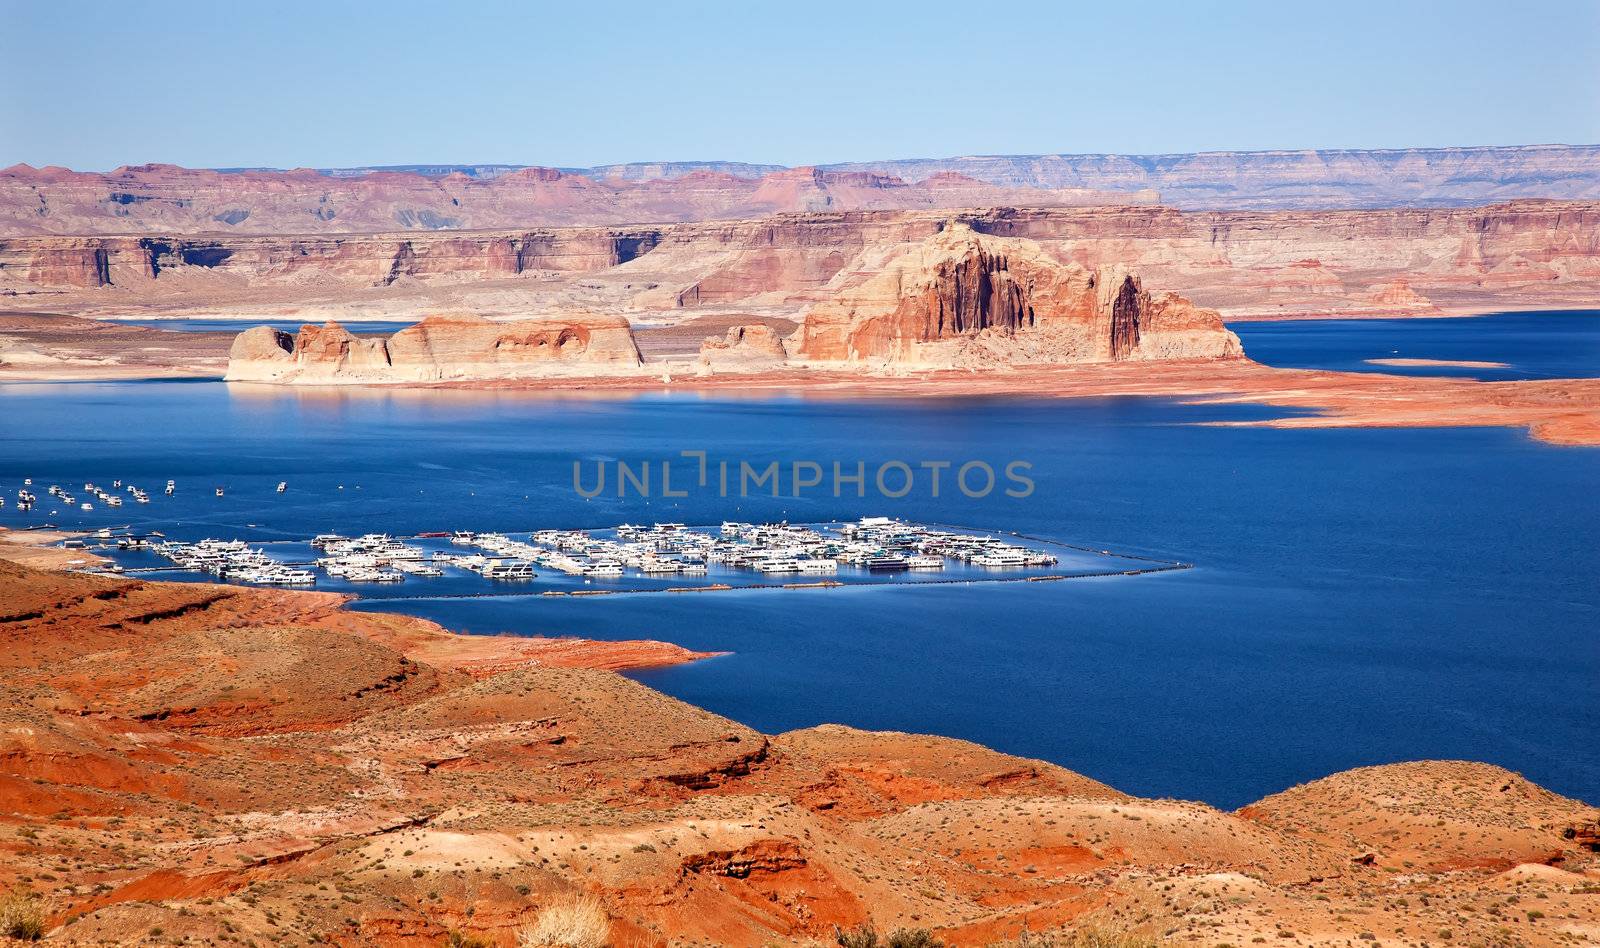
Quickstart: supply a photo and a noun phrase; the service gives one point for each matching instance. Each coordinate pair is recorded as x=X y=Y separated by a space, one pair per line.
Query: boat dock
x=871 y=551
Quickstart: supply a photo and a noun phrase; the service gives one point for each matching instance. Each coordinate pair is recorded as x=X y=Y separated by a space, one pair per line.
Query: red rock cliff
x=964 y=298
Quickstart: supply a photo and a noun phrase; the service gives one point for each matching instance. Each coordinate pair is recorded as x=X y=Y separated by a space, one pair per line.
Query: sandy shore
x=1439 y=363
x=39 y=549
x=1561 y=411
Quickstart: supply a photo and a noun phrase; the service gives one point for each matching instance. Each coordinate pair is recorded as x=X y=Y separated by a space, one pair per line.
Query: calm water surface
x=1534 y=345
x=1361 y=596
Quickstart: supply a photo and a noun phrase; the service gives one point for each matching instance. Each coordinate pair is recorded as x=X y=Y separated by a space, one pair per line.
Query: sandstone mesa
x=961 y=299
x=146 y=198
x=956 y=299
x=168 y=199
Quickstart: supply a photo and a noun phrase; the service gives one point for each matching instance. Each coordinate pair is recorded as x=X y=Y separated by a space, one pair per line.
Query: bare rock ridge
x=173 y=200
x=1303 y=179
x=186 y=201
x=1543 y=254
x=965 y=299
x=438 y=349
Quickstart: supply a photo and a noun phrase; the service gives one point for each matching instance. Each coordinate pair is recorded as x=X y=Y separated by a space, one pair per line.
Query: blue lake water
x=1360 y=596
x=1534 y=345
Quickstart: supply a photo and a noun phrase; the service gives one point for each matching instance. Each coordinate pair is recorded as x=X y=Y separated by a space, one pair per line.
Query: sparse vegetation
x=865 y=936
x=1088 y=936
x=22 y=915
x=575 y=921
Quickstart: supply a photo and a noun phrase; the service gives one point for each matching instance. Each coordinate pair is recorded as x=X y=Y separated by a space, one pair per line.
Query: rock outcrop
x=743 y=348
x=437 y=349
x=189 y=201
x=961 y=298
x=1399 y=296
x=1327 y=178
x=1529 y=253
x=173 y=200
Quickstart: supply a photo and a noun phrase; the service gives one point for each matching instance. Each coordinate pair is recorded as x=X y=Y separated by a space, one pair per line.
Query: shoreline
x=421 y=639
x=1557 y=411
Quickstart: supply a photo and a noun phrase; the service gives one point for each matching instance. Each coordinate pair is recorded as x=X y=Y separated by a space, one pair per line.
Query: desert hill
x=223 y=764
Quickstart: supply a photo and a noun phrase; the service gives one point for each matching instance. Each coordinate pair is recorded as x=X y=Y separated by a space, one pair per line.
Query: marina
x=628 y=558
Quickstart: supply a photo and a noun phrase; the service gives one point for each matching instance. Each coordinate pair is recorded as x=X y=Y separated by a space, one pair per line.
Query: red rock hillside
x=208 y=765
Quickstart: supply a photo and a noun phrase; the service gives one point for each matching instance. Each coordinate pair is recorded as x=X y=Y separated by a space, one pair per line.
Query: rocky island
x=956 y=299
x=437 y=349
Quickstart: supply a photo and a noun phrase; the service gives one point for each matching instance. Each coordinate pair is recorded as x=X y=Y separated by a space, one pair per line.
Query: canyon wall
x=963 y=299
x=437 y=349
x=1244 y=263
x=365 y=260
x=1278 y=180
x=171 y=200
x=1394 y=262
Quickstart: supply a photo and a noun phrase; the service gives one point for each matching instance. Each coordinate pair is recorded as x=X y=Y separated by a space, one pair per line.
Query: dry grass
x=1088 y=936
x=22 y=915
x=574 y=921
x=865 y=936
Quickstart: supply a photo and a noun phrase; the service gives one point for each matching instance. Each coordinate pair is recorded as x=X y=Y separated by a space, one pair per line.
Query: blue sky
x=94 y=85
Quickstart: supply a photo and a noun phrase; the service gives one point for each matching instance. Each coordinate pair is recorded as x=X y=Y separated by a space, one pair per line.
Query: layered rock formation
x=962 y=298
x=743 y=348
x=1399 y=296
x=135 y=263
x=1534 y=253
x=437 y=349
x=178 y=201
x=173 y=200
x=1331 y=178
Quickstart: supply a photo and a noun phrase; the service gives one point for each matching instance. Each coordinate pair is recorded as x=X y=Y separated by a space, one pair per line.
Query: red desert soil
x=216 y=764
